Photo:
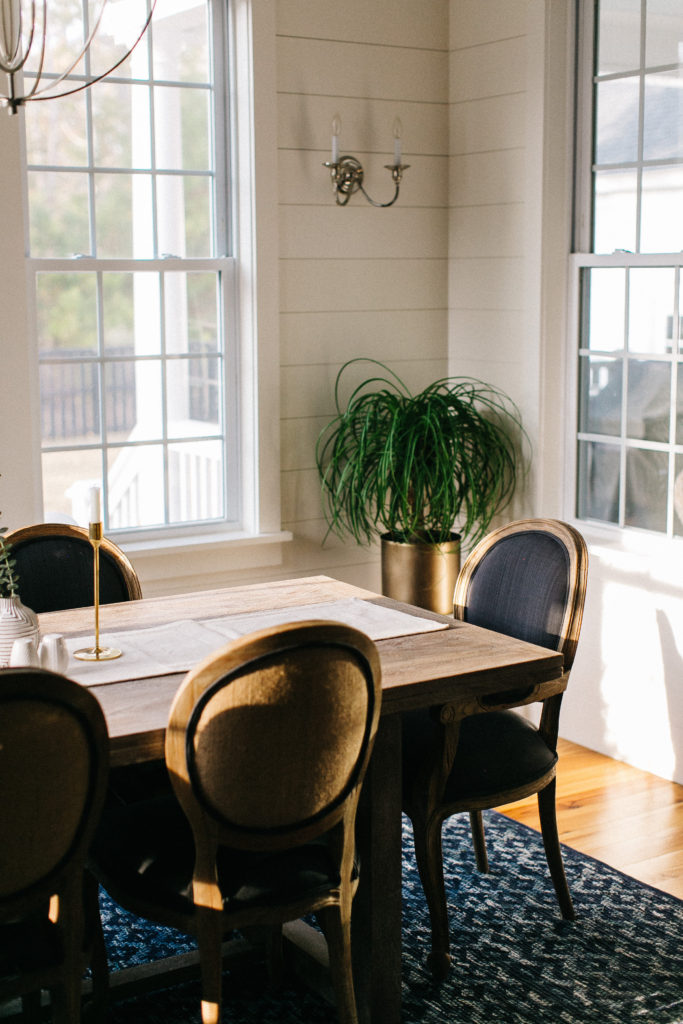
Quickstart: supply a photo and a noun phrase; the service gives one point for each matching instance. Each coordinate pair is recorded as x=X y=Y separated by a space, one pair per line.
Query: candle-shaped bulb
x=336 y=132
x=398 y=131
x=95 y=514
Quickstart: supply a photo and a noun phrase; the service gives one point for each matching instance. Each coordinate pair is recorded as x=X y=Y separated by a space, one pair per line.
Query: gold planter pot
x=420 y=573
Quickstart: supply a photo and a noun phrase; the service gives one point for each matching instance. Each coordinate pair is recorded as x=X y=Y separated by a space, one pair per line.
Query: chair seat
x=498 y=751
x=146 y=851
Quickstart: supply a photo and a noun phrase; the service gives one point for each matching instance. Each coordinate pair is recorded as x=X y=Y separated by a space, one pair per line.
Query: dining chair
x=267 y=744
x=527 y=580
x=53 y=768
x=54 y=563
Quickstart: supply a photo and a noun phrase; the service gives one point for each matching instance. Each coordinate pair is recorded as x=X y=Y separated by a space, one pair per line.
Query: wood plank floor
x=618 y=814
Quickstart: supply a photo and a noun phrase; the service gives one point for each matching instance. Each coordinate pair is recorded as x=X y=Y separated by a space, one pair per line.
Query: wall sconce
x=347 y=174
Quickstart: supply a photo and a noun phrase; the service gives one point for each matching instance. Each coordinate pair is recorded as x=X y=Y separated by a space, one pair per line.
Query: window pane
x=181 y=119
x=118 y=305
x=191 y=312
x=661 y=227
x=678 y=497
x=663 y=126
x=615 y=210
x=648 y=400
x=66 y=310
x=147 y=314
x=133 y=400
x=193 y=395
x=185 y=211
x=55 y=135
x=651 y=306
x=67 y=479
x=605 y=300
x=616 y=139
x=618 y=36
x=63 y=41
x=119 y=28
x=600 y=396
x=195 y=481
x=69 y=403
x=136 y=487
x=58 y=213
x=121 y=125
x=181 y=44
x=646 y=489
x=598 y=492
x=663 y=32
x=114 y=213
x=679 y=406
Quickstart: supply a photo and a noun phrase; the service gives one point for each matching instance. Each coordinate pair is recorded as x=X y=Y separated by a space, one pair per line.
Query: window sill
x=164 y=546
x=638 y=552
x=173 y=565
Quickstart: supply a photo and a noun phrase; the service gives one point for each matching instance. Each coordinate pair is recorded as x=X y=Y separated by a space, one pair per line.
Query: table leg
x=376 y=921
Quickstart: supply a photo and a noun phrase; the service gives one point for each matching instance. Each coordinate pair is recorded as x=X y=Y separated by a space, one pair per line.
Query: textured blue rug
x=515 y=961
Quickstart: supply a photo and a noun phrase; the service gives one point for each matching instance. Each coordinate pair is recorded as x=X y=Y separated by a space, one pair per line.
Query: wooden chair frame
x=28 y=534
x=425 y=803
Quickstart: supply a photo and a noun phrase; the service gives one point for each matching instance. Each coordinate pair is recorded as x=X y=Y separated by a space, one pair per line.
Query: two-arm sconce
x=347 y=174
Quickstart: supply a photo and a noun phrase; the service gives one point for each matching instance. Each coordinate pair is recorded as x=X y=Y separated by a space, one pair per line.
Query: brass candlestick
x=96 y=653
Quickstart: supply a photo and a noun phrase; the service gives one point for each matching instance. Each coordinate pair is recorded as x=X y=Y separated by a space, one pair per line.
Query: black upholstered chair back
x=54 y=563
x=519 y=581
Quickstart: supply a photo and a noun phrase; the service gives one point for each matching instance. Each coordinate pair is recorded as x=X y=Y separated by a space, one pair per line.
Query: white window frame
x=628 y=537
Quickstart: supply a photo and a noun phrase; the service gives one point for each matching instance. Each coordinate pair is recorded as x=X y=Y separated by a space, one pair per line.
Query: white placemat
x=177 y=646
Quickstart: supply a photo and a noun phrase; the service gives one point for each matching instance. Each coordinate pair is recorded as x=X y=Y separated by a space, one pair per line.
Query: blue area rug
x=515 y=961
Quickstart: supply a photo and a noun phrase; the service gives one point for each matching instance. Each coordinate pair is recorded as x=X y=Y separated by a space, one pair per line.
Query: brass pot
x=420 y=573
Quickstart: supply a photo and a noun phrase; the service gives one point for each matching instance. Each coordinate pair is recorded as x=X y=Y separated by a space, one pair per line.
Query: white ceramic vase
x=16 y=620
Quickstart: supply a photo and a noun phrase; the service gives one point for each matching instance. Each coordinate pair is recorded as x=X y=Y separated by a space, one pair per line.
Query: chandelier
x=24 y=27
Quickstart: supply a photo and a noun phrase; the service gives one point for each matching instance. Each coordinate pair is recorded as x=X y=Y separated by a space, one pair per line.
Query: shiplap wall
x=495 y=177
x=355 y=280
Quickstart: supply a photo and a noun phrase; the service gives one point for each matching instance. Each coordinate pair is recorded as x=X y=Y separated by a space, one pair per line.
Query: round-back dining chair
x=54 y=563
x=527 y=580
x=54 y=755
x=267 y=745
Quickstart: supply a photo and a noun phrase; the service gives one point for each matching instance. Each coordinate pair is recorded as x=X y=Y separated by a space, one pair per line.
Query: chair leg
x=209 y=935
x=553 y=853
x=274 y=958
x=479 y=841
x=94 y=1011
x=336 y=924
x=429 y=860
x=31 y=1007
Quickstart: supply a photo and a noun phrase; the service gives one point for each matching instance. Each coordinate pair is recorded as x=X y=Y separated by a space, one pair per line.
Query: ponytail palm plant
x=417 y=467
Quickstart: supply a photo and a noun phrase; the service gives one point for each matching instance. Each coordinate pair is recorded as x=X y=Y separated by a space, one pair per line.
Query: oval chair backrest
x=55 y=568
x=527 y=580
x=53 y=771
x=273 y=733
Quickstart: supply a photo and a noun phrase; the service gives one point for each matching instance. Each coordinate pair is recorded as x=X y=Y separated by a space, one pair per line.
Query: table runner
x=178 y=646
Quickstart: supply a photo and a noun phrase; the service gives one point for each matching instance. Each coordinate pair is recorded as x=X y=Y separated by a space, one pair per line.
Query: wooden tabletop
x=417 y=671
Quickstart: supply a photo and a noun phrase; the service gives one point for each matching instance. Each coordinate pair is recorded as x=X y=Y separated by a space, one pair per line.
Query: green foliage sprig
x=9 y=580
x=418 y=466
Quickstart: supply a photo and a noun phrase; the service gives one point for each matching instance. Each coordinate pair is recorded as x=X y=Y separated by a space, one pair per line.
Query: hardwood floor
x=618 y=814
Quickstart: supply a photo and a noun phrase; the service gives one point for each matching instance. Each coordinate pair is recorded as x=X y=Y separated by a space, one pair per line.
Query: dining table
x=426 y=660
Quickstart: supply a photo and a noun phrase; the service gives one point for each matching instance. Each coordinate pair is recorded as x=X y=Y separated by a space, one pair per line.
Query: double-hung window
x=629 y=262
x=129 y=224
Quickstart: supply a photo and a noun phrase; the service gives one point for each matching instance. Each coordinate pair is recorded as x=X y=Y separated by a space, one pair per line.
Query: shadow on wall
x=625 y=696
